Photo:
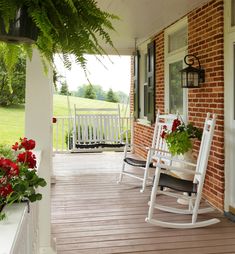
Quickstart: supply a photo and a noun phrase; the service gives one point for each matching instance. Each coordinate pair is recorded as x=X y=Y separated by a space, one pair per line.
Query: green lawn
x=12 y=118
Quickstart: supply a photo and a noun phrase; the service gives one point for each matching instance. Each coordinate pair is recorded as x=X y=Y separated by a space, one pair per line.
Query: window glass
x=178 y=39
x=145 y=68
x=233 y=13
x=175 y=89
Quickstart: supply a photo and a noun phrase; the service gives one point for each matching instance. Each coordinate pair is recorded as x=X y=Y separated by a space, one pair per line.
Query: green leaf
x=35 y=197
x=41 y=182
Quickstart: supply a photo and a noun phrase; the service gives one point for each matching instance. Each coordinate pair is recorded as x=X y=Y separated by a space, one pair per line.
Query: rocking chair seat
x=137 y=163
x=177 y=184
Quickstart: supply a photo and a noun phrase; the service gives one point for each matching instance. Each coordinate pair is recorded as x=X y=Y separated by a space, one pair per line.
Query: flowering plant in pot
x=180 y=137
x=18 y=175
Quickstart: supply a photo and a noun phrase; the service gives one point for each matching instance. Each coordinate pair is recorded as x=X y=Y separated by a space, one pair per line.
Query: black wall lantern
x=192 y=77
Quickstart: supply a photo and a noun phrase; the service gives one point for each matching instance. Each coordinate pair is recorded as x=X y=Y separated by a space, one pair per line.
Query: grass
x=12 y=118
x=11 y=124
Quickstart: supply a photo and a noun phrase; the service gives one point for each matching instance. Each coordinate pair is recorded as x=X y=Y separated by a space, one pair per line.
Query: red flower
x=5 y=190
x=175 y=124
x=27 y=158
x=15 y=146
x=27 y=144
x=163 y=134
x=14 y=170
x=54 y=120
x=3 y=180
x=9 y=167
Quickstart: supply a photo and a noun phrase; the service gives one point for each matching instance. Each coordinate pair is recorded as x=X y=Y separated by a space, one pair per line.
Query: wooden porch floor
x=92 y=214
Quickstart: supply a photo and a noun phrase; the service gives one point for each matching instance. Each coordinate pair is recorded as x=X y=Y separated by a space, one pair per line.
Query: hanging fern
x=64 y=26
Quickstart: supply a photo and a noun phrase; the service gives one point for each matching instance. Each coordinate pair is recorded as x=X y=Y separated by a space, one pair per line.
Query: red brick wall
x=205 y=40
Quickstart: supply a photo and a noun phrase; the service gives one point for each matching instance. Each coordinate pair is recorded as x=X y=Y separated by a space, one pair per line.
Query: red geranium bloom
x=28 y=158
x=5 y=190
x=15 y=146
x=3 y=180
x=27 y=144
x=163 y=134
x=14 y=170
x=9 y=167
x=175 y=124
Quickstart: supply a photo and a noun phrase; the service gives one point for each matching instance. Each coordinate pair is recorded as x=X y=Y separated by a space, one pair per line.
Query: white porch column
x=38 y=126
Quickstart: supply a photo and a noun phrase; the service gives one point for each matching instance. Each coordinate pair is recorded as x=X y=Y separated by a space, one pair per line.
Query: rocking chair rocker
x=158 y=147
x=169 y=185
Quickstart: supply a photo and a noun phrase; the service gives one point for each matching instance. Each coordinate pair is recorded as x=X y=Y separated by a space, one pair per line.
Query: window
x=144 y=95
x=175 y=50
x=176 y=94
x=177 y=40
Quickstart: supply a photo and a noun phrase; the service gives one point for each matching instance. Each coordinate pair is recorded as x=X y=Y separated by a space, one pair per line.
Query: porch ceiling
x=141 y=19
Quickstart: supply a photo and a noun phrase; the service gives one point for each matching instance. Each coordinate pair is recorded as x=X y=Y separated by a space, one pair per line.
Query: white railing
x=64 y=125
x=19 y=231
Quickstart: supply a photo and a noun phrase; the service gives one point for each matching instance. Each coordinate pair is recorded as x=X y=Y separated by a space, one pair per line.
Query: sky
x=113 y=73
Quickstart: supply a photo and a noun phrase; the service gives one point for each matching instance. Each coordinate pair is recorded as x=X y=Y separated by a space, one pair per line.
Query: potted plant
x=180 y=137
x=18 y=175
x=67 y=27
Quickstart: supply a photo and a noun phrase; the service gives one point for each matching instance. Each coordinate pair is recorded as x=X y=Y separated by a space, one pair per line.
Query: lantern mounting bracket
x=192 y=77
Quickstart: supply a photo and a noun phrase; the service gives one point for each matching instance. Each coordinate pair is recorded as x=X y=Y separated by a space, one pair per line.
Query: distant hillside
x=12 y=118
x=61 y=104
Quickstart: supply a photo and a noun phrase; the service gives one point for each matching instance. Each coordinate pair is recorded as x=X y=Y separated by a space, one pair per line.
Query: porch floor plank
x=92 y=214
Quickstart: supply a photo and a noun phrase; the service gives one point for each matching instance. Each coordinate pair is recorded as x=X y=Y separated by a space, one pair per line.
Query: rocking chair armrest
x=173 y=159
x=174 y=168
x=139 y=146
x=157 y=150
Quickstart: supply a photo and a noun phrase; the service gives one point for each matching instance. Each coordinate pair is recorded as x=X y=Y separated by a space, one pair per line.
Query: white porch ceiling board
x=143 y=18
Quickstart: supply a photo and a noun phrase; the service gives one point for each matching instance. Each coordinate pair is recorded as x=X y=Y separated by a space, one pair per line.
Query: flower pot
x=184 y=175
x=186 y=157
x=22 y=29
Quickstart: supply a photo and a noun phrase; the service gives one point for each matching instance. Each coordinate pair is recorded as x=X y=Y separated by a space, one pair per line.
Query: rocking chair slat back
x=204 y=151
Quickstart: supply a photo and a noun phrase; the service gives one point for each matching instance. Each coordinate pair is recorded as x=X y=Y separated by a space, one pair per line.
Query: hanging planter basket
x=22 y=29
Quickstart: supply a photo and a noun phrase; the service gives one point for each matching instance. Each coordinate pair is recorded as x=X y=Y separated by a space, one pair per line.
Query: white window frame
x=229 y=122
x=172 y=57
x=143 y=50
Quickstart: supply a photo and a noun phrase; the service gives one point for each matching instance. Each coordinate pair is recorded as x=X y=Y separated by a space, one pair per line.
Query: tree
x=64 y=90
x=89 y=92
x=12 y=92
x=57 y=79
x=122 y=97
x=111 y=96
x=100 y=93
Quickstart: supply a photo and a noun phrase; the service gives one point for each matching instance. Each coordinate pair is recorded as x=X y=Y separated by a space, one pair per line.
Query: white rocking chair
x=158 y=147
x=174 y=187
